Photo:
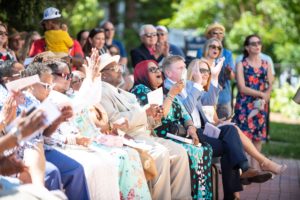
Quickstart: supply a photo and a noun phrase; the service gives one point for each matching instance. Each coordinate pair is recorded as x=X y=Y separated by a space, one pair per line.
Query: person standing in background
x=224 y=109
x=162 y=35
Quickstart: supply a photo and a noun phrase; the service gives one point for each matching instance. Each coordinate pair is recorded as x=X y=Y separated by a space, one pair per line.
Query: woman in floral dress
x=148 y=77
x=254 y=79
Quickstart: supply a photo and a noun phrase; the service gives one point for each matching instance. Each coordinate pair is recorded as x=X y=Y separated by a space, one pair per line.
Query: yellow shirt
x=58 y=41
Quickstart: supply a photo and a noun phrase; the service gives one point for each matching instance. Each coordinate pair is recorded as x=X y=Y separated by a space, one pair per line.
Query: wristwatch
x=15 y=132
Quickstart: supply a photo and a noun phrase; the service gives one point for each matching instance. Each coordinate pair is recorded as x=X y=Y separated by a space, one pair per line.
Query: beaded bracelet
x=170 y=97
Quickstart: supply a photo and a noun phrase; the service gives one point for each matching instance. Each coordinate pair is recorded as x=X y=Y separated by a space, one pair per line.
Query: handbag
x=177 y=129
x=148 y=164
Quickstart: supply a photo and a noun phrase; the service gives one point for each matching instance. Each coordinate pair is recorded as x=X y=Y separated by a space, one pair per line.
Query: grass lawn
x=284 y=141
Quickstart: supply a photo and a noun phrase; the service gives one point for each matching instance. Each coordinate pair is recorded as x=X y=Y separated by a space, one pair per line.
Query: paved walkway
x=283 y=187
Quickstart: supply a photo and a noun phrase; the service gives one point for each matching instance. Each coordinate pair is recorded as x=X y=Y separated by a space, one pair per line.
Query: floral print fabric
x=199 y=157
x=255 y=78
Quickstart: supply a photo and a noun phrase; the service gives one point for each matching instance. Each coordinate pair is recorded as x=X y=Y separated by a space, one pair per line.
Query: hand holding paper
x=156 y=97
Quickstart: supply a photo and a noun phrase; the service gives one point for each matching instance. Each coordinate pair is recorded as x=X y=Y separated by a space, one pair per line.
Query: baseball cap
x=51 y=13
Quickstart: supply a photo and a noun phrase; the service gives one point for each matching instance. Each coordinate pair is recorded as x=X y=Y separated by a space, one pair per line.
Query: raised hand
x=29 y=124
x=176 y=88
x=197 y=77
x=9 y=110
x=215 y=70
x=92 y=69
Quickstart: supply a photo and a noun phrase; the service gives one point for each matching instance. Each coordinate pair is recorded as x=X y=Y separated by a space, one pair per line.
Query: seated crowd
x=107 y=140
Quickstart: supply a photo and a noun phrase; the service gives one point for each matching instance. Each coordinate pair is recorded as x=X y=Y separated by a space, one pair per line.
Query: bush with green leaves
x=282 y=101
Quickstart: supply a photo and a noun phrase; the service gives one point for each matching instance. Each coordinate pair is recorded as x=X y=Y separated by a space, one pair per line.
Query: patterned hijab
x=141 y=73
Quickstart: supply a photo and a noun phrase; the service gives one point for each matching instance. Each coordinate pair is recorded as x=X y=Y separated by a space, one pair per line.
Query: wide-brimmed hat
x=212 y=27
x=106 y=59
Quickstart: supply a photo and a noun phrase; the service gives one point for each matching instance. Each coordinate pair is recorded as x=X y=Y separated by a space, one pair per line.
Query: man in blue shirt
x=224 y=108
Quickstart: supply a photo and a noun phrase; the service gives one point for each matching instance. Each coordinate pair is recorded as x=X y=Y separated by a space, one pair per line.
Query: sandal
x=273 y=167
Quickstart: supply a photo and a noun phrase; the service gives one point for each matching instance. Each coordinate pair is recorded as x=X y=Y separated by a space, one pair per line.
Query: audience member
x=224 y=109
x=208 y=115
x=148 y=77
x=149 y=49
x=5 y=52
x=162 y=34
x=82 y=37
x=57 y=40
x=96 y=40
x=254 y=79
x=109 y=29
x=227 y=144
x=170 y=158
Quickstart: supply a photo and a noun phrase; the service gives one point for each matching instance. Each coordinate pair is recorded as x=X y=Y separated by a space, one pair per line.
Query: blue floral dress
x=255 y=78
x=199 y=157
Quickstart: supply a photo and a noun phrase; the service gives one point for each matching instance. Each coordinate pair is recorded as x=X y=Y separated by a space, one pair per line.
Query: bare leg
x=264 y=162
x=35 y=160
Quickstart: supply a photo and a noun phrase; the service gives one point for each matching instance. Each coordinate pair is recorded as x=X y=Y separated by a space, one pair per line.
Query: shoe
x=254 y=176
x=273 y=167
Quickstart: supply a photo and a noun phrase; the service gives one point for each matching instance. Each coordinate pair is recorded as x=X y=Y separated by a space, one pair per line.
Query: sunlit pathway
x=283 y=187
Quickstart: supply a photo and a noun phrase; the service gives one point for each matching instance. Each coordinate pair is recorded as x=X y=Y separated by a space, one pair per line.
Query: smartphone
x=30 y=110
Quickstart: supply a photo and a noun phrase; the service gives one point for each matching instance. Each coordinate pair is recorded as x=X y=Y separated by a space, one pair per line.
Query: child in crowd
x=57 y=40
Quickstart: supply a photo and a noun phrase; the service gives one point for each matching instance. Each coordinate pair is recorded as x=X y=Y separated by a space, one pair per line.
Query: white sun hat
x=106 y=59
x=51 y=13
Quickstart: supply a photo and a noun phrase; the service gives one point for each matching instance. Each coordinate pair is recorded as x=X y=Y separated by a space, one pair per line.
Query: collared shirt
x=195 y=114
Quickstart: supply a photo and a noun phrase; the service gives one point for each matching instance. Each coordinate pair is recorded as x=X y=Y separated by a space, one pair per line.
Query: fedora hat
x=106 y=59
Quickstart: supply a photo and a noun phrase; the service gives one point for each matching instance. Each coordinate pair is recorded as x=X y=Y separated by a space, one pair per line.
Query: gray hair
x=6 y=68
x=144 y=27
x=37 y=68
x=168 y=61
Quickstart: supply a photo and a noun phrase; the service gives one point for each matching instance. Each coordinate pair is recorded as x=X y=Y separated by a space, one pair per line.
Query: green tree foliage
x=26 y=15
x=84 y=14
x=275 y=21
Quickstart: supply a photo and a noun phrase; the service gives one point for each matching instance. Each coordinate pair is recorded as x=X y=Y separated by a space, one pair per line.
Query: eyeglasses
x=47 y=86
x=161 y=34
x=217 y=33
x=258 y=43
x=2 y=33
x=116 y=68
x=150 y=35
x=64 y=76
x=215 y=47
x=109 y=29
x=154 y=69
x=204 y=71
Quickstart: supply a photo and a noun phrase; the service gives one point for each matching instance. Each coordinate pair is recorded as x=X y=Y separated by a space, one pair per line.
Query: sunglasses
x=154 y=69
x=161 y=34
x=150 y=35
x=215 y=47
x=107 y=29
x=47 y=86
x=204 y=71
x=258 y=43
x=3 y=33
x=64 y=76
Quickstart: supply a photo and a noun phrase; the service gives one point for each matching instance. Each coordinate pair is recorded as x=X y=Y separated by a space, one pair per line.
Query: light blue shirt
x=225 y=93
